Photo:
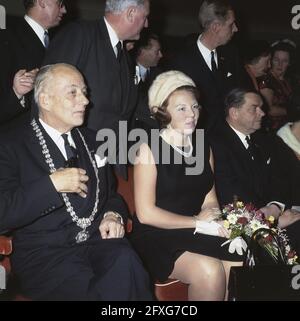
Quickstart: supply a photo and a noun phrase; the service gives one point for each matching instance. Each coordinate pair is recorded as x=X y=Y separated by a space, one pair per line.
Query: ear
x=44 y=101
x=130 y=13
x=233 y=113
x=41 y=3
x=215 y=26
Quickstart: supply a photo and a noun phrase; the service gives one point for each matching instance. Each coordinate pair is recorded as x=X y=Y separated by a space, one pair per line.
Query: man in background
x=96 y=49
x=212 y=64
x=23 y=45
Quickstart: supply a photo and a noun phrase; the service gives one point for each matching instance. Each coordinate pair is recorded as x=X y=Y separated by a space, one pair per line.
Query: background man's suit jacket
x=112 y=91
x=213 y=88
x=20 y=49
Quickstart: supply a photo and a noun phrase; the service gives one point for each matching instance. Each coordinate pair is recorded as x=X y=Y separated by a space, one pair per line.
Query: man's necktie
x=145 y=75
x=70 y=151
x=46 y=39
x=119 y=50
x=213 y=62
x=251 y=147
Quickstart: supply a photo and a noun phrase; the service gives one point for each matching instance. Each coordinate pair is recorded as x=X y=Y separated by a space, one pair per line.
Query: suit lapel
x=114 y=65
x=32 y=48
x=201 y=64
x=240 y=152
x=255 y=168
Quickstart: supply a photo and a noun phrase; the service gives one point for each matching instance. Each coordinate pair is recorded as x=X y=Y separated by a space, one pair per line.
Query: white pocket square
x=269 y=161
x=100 y=162
x=229 y=74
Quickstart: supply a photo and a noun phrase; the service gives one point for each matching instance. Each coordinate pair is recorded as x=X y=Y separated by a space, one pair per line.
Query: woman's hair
x=162 y=115
x=283 y=46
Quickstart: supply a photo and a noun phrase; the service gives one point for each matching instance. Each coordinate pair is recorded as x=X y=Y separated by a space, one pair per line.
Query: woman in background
x=275 y=86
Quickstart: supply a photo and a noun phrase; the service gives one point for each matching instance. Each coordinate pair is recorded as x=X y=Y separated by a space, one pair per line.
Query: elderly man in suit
x=23 y=47
x=214 y=66
x=96 y=49
x=66 y=215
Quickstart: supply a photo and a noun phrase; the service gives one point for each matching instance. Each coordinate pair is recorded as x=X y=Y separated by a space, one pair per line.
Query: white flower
x=232 y=218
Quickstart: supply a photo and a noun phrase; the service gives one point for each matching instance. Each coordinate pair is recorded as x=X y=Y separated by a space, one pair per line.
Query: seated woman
x=285 y=169
x=275 y=86
x=171 y=201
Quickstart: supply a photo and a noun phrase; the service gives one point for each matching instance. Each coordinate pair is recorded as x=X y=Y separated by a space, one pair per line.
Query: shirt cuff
x=22 y=101
x=281 y=206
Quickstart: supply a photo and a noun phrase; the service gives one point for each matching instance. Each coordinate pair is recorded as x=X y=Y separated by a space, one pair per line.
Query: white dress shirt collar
x=143 y=71
x=37 y=28
x=113 y=37
x=206 y=53
x=55 y=135
x=241 y=136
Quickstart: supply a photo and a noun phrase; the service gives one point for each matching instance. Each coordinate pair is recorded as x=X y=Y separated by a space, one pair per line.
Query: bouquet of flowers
x=243 y=220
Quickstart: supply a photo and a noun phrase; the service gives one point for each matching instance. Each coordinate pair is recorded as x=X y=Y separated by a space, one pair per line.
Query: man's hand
x=271 y=210
x=70 y=180
x=288 y=217
x=111 y=227
x=24 y=82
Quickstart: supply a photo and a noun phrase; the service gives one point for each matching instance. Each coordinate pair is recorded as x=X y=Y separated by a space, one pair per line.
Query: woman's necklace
x=83 y=222
x=179 y=150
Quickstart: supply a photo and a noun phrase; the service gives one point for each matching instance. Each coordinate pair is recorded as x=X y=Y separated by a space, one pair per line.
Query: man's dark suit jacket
x=20 y=49
x=112 y=92
x=236 y=174
x=213 y=88
x=42 y=228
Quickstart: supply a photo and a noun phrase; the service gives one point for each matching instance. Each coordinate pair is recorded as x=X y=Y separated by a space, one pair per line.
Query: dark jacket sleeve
x=115 y=202
x=10 y=106
x=21 y=204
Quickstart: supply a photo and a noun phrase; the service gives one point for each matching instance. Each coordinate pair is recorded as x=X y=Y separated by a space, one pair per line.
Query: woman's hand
x=223 y=231
x=209 y=214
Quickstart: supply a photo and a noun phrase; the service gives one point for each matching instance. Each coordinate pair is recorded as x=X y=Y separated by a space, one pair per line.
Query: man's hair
x=255 y=50
x=28 y=4
x=212 y=10
x=117 y=6
x=236 y=98
x=144 y=42
x=44 y=75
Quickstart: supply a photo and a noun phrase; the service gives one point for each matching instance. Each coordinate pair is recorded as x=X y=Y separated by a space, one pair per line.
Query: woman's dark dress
x=182 y=194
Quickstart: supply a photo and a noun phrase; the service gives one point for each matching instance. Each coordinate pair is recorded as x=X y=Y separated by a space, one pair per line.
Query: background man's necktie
x=119 y=50
x=70 y=151
x=213 y=62
x=46 y=39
